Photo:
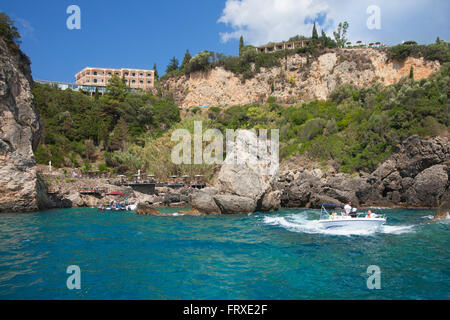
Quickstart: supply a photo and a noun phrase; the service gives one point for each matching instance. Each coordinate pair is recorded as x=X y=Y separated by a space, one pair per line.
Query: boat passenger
x=370 y=214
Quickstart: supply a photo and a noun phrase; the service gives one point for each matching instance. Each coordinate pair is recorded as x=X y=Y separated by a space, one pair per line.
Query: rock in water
x=230 y=204
x=444 y=206
x=203 y=201
x=20 y=189
x=145 y=208
x=246 y=180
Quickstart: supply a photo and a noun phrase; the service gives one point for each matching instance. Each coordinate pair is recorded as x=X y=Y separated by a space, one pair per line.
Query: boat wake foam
x=300 y=223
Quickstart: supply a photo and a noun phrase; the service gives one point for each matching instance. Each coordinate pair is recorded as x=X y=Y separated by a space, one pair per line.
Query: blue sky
x=136 y=33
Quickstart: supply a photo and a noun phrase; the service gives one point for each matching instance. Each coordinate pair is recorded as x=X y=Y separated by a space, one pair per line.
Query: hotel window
x=126 y=74
x=95 y=73
x=133 y=74
x=149 y=75
x=141 y=82
x=141 y=75
x=134 y=81
x=149 y=82
x=95 y=80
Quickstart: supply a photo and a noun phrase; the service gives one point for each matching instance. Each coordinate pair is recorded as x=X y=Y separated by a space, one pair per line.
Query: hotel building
x=289 y=45
x=134 y=78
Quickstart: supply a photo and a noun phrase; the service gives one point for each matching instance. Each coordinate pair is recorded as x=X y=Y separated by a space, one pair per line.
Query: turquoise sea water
x=279 y=255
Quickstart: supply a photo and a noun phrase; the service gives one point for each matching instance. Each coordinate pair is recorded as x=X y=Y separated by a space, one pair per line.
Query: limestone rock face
x=20 y=189
x=298 y=79
x=428 y=187
x=246 y=180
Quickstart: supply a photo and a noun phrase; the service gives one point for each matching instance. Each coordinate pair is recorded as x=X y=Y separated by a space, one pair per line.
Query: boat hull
x=353 y=223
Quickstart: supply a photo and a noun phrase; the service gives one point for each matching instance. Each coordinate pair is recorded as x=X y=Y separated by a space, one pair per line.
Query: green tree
x=241 y=44
x=96 y=94
x=8 y=30
x=315 y=35
x=411 y=73
x=340 y=35
x=173 y=65
x=202 y=61
x=116 y=89
x=120 y=136
x=187 y=58
x=156 y=72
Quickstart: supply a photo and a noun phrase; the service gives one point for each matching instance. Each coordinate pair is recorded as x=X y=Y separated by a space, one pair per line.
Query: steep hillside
x=300 y=78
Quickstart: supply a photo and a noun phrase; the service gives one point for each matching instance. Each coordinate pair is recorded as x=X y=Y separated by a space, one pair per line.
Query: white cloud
x=261 y=21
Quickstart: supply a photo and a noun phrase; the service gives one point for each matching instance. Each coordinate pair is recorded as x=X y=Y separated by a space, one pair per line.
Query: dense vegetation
x=436 y=51
x=78 y=128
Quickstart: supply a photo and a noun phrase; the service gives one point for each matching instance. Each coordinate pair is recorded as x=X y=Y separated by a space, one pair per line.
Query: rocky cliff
x=298 y=79
x=417 y=175
x=20 y=188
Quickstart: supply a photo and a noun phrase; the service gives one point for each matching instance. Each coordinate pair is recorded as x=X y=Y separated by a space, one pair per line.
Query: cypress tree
x=315 y=35
x=156 y=72
x=187 y=58
x=411 y=73
x=241 y=44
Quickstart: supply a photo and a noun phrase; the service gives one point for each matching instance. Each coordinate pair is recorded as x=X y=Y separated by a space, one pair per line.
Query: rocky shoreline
x=416 y=176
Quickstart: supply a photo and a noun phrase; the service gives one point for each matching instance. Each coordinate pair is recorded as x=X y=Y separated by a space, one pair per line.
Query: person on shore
x=348 y=208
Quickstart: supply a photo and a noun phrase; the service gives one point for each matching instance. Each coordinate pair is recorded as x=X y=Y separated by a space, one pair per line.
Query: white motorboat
x=354 y=221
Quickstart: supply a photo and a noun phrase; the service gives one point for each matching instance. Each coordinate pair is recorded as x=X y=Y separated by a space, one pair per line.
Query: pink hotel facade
x=134 y=78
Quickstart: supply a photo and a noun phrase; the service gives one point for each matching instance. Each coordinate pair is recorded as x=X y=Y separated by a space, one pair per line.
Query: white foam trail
x=300 y=223
x=396 y=229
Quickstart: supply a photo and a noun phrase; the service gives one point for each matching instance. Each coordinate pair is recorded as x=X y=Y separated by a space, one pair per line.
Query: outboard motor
x=353 y=213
